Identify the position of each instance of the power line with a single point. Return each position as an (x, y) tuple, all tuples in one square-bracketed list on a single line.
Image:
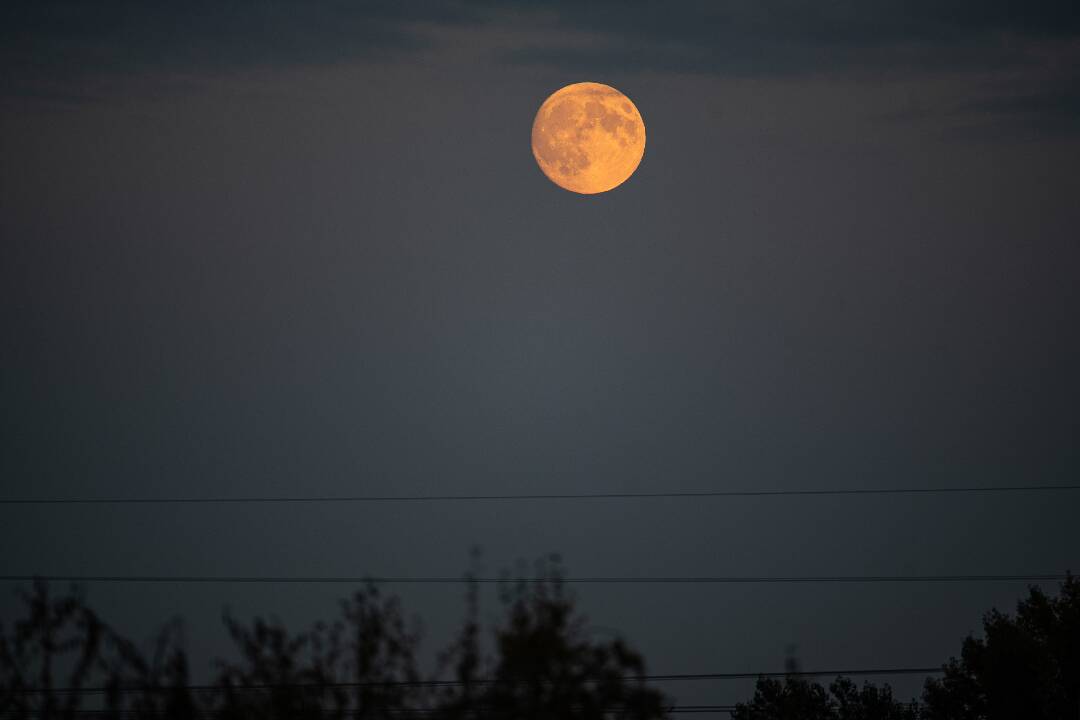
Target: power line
[(487, 681), (704, 579), (533, 496), (786, 673), (390, 710), (701, 708)]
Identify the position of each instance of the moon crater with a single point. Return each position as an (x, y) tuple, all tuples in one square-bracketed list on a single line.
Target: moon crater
[(588, 138)]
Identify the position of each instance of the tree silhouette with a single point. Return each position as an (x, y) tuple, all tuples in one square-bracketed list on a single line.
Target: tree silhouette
[(64, 636), (63, 662), (56, 634), (361, 665), (1026, 666), (545, 666), (798, 699)]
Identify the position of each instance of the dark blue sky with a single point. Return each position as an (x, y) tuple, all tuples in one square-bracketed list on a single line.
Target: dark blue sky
[(276, 249)]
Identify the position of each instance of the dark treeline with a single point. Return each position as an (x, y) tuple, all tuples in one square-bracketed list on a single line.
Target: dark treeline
[(63, 661), (1025, 667), (362, 664)]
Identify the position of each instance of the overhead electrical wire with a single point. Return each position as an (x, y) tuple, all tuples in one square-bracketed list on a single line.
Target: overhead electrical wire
[(701, 579), (850, 672), (363, 712), (269, 499)]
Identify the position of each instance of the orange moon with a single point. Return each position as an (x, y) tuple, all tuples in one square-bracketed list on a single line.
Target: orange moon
[(588, 138)]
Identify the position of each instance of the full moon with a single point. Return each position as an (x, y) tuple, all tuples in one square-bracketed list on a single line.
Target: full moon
[(588, 138)]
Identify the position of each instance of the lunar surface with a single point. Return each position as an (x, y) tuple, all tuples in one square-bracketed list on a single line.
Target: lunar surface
[(588, 138)]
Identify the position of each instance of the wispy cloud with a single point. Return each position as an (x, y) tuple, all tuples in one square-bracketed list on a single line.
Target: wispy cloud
[(64, 49), (60, 47), (1008, 60)]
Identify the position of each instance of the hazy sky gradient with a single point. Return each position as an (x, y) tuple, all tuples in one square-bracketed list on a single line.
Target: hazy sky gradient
[(283, 250)]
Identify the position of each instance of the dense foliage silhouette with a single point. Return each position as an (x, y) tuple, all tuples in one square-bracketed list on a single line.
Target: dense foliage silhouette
[(1027, 666), (61, 661)]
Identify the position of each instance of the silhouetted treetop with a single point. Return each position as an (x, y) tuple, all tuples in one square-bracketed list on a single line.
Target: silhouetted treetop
[(1027, 666), (360, 665), (797, 699), (62, 662)]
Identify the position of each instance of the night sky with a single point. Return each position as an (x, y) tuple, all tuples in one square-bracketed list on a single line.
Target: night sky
[(301, 249)]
